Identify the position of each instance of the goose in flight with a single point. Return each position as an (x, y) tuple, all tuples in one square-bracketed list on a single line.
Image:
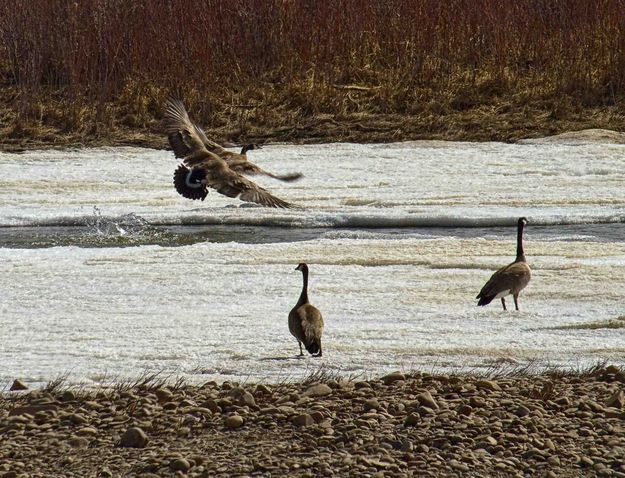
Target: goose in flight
[(202, 169), (510, 279)]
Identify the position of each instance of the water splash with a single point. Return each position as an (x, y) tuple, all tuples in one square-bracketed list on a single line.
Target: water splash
[(126, 225), (128, 229)]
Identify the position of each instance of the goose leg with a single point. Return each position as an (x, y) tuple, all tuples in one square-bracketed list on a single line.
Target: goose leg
[(503, 302), (301, 352), (516, 301)]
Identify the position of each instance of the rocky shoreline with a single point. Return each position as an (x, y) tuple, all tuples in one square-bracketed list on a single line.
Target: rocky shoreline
[(549, 424)]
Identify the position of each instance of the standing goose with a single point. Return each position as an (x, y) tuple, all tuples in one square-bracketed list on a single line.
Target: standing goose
[(239, 162), (203, 169), (305, 321), (510, 279)]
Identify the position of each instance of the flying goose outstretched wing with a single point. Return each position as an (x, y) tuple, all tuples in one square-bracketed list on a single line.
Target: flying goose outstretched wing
[(248, 168), (185, 136), (202, 169)]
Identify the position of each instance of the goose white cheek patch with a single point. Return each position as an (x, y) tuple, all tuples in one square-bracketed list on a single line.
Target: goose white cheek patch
[(190, 183)]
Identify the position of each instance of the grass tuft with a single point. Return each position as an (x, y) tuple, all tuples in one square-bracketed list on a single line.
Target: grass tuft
[(618, 323), (57, 385)]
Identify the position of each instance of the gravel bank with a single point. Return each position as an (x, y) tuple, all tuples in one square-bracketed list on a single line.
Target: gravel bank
[(428, 425)]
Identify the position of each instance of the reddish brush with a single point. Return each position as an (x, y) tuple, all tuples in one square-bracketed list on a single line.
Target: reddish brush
[(299, 56)]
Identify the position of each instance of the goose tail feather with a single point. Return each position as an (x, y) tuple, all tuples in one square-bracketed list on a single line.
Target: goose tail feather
[(188, 183)]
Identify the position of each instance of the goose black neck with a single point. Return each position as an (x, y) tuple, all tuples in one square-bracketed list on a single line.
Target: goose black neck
[(246, 148), (520, 253), (303, 297)]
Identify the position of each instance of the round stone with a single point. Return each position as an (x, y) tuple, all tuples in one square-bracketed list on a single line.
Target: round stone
[(134, 437), (233, 421), (180, 464)]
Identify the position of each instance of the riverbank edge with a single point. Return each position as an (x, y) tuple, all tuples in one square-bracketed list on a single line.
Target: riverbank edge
[(485, 123), (513, 423)]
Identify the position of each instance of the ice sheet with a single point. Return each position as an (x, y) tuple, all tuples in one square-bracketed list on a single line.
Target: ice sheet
[(218, 310)]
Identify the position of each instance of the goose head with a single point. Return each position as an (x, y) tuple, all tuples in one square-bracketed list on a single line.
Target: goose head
[(302, 267), (195, 178), (250, 147)]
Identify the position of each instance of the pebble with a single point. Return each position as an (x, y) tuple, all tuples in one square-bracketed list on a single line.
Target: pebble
[(87, 431), (31, 409), (477, 402), (247, 399), (317, 416), (134, 437), (412, 420), (426, 400), (180, 464), (263, 389), (585, 461), (459, 466), (318, 390), (211, 405), (78, 442), (77, 418), (105, 473), (68, 396), (488, 385), (554, 460), (616, 400), (303, 420), (392, 378), (18, 385), (371, 404), (233, 421), (563, 401), (487, 441)]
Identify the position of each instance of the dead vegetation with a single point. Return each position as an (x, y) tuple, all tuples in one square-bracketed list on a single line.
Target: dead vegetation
[(285, 70), (617, 323)]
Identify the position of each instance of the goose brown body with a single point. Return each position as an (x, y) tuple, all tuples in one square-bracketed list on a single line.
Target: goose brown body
[(305, 320), (241, 164), (510, 279), (202, 169)]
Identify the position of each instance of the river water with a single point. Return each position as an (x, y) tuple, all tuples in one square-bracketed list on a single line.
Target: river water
[(107, 273)]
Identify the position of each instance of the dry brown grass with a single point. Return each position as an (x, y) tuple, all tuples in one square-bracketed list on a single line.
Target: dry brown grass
[(307, 70)]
